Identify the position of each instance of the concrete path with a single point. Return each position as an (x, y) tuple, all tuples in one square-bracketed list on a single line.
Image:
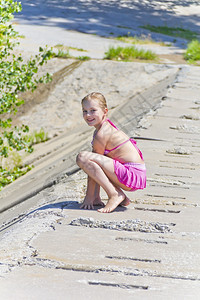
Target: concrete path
[(149, 250)]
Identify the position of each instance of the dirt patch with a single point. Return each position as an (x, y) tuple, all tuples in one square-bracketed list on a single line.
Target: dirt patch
[(56, 108), (173, 58)]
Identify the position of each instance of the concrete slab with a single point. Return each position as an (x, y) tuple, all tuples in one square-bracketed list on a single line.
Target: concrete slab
[(35, 282)]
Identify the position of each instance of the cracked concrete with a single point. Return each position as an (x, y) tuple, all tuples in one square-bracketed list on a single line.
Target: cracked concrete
[(42, 249)]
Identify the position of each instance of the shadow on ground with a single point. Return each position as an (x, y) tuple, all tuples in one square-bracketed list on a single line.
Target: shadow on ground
[(71, 205), (100, 17)]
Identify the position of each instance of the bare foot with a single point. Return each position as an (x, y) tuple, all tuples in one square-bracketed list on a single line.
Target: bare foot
[(113, 202), (125, 202)]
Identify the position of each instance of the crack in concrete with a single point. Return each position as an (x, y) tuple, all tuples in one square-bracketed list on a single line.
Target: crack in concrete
[(165, 196), (134, 259), (159, 210), (126, 271), (169, 185), (119, 285), (140, 240)]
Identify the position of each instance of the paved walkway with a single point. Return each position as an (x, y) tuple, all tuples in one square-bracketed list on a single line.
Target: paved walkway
[(150, 250)]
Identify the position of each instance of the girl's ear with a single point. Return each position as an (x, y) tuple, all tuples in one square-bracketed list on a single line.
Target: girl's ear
[(105, 110)]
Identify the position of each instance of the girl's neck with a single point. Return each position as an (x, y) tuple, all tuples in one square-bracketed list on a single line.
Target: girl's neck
[(100, 124)]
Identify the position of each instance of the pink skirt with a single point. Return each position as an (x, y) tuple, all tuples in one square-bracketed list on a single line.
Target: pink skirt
[(132, 175)]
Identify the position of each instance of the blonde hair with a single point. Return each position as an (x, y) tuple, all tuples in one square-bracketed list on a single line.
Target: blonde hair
[(96, 96)]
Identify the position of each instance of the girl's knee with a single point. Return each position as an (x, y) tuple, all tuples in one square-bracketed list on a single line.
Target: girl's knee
[(82, 158)]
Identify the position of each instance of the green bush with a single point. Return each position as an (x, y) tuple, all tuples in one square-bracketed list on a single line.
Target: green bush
[(192, 53), (8, 176), (15, 77), (129, 54)]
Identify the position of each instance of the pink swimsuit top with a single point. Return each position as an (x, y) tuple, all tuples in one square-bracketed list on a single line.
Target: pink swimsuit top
[(106, 151)]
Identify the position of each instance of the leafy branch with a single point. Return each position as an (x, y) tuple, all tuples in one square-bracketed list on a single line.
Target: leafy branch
[(15, 76)]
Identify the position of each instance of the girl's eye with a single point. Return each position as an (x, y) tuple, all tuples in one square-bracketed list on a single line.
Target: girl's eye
[(93, 110), (84, 111)]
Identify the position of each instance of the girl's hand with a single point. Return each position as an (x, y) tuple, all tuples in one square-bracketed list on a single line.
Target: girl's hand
[(87, 203)]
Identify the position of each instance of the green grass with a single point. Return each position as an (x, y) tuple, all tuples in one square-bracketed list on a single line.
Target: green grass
[(62, 54), (83, 58), (36, 137), (192, 54), (78, 49), (173, 31), (62, 47), (139, 40), (129, 54)]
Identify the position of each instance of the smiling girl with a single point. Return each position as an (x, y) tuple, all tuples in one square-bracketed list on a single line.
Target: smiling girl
[(115, 164)]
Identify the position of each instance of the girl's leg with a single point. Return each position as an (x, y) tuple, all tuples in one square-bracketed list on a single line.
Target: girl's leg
[(97, 200), (101, 169), (125, 202), (90, 194), (92, 197)]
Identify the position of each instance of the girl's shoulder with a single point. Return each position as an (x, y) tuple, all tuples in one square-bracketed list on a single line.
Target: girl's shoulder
[(104, 133), (99, 141), (101, 134)]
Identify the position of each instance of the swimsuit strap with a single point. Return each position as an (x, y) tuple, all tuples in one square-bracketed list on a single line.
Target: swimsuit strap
[(131, 140), (111, 123), (136, 147), (109, 150)]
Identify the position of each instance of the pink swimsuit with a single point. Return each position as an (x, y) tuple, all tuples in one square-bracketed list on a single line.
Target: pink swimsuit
[(132, 175)]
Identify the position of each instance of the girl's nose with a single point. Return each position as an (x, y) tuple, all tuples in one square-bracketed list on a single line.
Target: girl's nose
[(88, 113)]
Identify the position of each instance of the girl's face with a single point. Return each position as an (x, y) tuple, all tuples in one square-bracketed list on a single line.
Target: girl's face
[(93, 114)]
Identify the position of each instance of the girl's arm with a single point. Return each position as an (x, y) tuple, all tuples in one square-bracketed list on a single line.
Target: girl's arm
[(99, 143)]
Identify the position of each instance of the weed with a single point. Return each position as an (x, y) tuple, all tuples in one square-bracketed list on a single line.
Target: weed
[(129, 54), (84, 58), (62, 47), (139, 40), (36, 137), (192, 54), (62, 54), (78, 49), (173, 31)]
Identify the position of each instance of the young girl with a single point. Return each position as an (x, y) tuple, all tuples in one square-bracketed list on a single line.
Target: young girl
[(115, 163)]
